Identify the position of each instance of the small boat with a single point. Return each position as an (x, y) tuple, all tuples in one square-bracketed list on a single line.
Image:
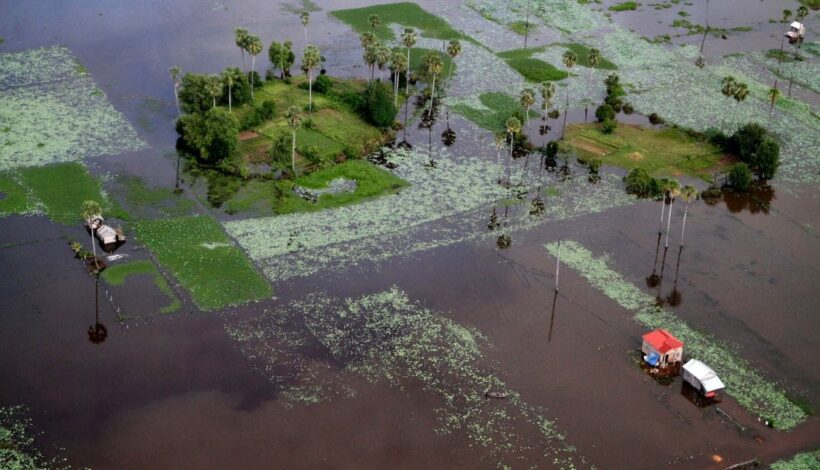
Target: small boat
[(496, 395)]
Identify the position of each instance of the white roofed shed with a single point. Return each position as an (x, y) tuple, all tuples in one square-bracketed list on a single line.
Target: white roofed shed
[(701, 377)]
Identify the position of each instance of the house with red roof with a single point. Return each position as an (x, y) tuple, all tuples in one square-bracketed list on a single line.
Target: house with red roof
[(661, 349)]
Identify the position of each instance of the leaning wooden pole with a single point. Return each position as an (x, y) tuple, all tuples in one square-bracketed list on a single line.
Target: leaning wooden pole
[(558, 266)]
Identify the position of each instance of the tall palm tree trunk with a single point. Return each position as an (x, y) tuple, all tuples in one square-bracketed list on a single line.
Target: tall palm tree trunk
[(253, 72), (683, 227), (293, 153), (509, 162), (663, 209), (566, 108), (310, 91), (176, 99), (432, 95), (407, 79), (668, 223)]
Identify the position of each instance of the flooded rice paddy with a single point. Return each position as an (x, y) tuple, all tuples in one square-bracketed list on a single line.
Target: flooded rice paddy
[(393, 323)]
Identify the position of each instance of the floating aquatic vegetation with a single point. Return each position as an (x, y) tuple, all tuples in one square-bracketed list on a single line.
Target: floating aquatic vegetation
[(51, 111), (387, 338), (748, 386), (18, 447), (803, 461), (116, 275), (442, 206)]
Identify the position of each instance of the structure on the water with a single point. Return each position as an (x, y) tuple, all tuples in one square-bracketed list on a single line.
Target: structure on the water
[(661, 349), (105, 233), (702, 378), (796, 32)]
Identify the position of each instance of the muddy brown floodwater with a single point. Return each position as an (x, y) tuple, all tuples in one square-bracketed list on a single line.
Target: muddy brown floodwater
[(176, 392)]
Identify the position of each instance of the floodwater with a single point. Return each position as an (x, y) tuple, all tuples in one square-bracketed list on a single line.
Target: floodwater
[(176, 392)]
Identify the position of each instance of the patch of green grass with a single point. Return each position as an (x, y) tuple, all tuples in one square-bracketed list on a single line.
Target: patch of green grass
[(625, 6), (661, 152), (417, 55), (279, 197), (534, 70), (406, 14), (139, 196), (501, 107), (521, 27), (802, 461), (582, 52), (13, 196), (62, 188), (813, 4), (116, 275), (202, 258), (777, 54)]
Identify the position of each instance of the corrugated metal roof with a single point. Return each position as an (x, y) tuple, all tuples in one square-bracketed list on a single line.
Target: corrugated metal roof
[(705, 375), (662, 340)]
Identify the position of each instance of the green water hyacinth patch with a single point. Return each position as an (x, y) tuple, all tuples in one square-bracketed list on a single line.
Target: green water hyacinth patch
[(748, 386), (51, 111), (18, 446), (387, 338), (803, 461)]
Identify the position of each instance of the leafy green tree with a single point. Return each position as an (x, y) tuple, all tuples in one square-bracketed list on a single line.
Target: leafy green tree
[(740, 177), (639, 183), (370, 58), (175, 71), (294, 117), (604, 112), (688, 193), (379, 107), (281, 56), (767, 159), (194, 93), (213, 134), (310, 61), (570, 59), (746, 140)]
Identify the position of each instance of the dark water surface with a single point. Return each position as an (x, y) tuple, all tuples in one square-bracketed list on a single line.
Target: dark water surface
[(176, 392)]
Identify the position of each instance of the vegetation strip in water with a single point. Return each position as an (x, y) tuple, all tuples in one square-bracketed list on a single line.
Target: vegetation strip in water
[(200, 255), (51, 111), (661, 152), (406, 14), (18, 447), (748, 386), (802, 461), (117, 274), (385, 337), (492, 110)]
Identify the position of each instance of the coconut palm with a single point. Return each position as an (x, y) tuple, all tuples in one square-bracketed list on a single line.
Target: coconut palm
[(433, 66), (774, 94), (304, 18), (409, 40), (374, 21), (370, 59), (175, 71), (254, 48), (382, 58), (688, 193), (214, 87), (241, 36), (294, 117), (453, 50), (513, 126), (673, 191), (527, 99), (593, 59), (91, 209), (570, 59), (227, 78), (740, 94), (398, 64), (310, 61), (547, 94)]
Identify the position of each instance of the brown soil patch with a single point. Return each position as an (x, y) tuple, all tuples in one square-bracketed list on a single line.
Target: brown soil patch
[(590, 147), (636, 156), (247, 135)]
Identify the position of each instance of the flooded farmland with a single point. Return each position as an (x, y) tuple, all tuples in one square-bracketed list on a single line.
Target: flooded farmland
[(429, 325)]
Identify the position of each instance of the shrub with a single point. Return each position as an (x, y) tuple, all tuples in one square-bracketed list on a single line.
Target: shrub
[(767, 159), (213, 135), (308, 124), (312, 154), (746, 140), (378, 105), (350, 153), (354, 101), (639, 183), (268, 109), (322, 84), (221, 187), (240, 89), (609, 126), (740, 177), (604, 112), (717, 137), (628, 109), (654, 119), (280, 153)]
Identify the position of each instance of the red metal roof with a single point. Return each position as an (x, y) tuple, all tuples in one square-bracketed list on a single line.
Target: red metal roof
[(662, 341)]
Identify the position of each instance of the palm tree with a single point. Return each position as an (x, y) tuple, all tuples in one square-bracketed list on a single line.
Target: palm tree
[(214, 87), (547, 93), (368, 39), (374, 21), (705, 31), (305, 19), (674, 191), (90, 210), (513, 126), (527, 25), (569, 59), (370, 59), (241, 36), (254, 48), (398, 64), (663, 188), (527, 100), (688, 193), (453, 50), (227, 77), (785, 18), (408, 39), (294, 117), (728, 87), (433, 66), (310, 61), (740, 94), (382, 58), (774, 94), (175, 71), (593, 59)]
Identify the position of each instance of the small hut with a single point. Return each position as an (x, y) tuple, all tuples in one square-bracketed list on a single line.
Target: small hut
[(702, 378), (661, 349), (796, 32)]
